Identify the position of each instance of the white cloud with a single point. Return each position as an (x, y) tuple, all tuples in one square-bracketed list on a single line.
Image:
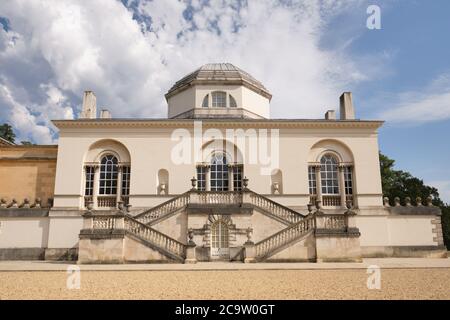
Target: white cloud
[(23, 120), (433, 104), (61, 48)]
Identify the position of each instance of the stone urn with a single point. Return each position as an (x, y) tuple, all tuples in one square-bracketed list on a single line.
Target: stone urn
[(120, 205), (162, 188), (191, 236), (249, 234), (276, 187)]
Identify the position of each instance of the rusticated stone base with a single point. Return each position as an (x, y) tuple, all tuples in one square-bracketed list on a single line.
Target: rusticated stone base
[(22, 253), (101, 250), (404, 251), (338, 248), (61, 254)]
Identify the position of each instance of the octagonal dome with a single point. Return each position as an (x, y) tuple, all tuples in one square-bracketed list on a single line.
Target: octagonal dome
[(218, 90), (219, 73)]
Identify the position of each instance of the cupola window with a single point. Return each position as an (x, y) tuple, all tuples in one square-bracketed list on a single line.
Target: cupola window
[(232, 102), (219, 99), (205, 103)]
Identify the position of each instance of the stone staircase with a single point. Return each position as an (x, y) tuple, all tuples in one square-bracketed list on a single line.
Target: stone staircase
[(297, 224), (164, 210), (139, 227), (210, 198), (284, 238), (274, 209), (158, 241)]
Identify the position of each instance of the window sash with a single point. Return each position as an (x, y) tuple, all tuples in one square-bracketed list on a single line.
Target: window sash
[(348, 180), (237, 178), (205, 102), (89, 185), (219, 99), (126, 175), (232, 102), (329, 175), (108, 176), (219, 173), (201, 178), (312, 182)]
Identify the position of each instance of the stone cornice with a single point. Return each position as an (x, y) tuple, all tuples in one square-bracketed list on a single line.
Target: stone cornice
[(219, 123), (17, 147), (228, 82)]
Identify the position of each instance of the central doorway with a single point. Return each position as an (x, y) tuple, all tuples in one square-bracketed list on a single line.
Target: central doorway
[(220, 249)]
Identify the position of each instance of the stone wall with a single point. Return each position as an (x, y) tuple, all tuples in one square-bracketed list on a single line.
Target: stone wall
[(27, 172)]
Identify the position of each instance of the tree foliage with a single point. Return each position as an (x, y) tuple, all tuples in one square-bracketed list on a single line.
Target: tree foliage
[(398, 183), (7, 132)]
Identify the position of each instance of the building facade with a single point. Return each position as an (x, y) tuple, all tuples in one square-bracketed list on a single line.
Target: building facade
[(219, 180)]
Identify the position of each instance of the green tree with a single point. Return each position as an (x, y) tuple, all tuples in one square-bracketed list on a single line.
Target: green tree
[(7, 133), (446, 225), (398, 183)]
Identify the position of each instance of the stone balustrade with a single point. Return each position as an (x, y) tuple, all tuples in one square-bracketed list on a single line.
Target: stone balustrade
[(219, 197), (407, 202), (106, 201), (164, 208), (25, 204), (274, 208), (407, 207), (331, 200), (285, 236), (151, 235), (113, 226)]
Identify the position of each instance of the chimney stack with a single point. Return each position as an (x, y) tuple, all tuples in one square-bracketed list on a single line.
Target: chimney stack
[(346, 107), (105, 114), (330, 115), (89, 109)]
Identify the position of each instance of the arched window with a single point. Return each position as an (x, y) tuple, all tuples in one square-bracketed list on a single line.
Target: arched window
[(108, 175), (219, 99), (219, 172), (205, 102), (232, 102), (219, 240), (329, 174)]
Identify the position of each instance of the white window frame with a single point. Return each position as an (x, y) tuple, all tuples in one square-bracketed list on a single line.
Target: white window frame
[(329, 174), (110, 167), (219, 173), (219, 99)]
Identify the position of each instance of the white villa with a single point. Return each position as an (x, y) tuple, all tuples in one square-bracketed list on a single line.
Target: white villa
[(217, 180)]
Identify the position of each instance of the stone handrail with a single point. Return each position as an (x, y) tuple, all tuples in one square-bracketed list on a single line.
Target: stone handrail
[(104, 222), (266, 246), (331, 200), (332, 221), (106, 201), (157, 238), (164, 208), (220, 197), (275, 208)]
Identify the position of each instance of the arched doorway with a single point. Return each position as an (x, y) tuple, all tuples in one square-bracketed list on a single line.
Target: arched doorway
[(220, 249)]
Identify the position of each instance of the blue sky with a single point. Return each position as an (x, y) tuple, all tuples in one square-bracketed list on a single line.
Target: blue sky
[(306, 52), (416, 33)]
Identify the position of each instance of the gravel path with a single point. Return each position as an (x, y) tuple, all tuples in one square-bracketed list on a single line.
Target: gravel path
[(239, 284)]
